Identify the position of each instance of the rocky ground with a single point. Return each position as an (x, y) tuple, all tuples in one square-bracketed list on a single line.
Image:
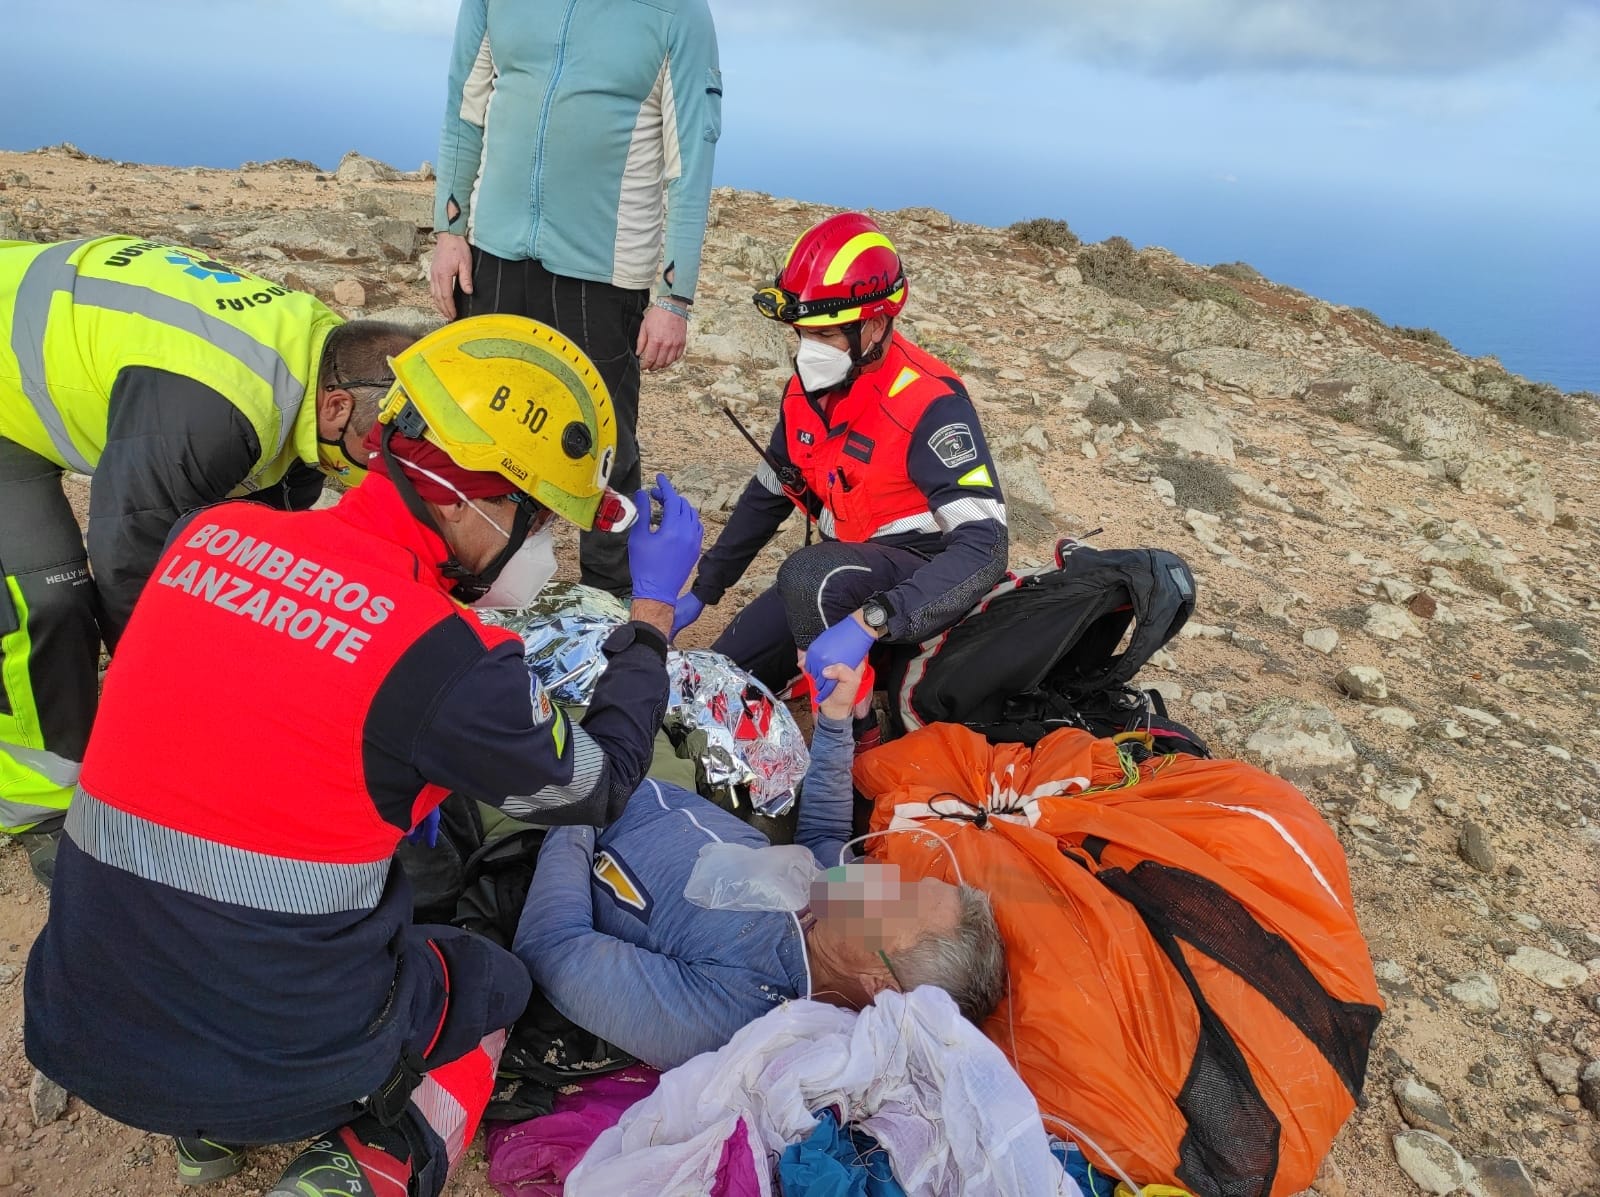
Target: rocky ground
[(1400, 600)]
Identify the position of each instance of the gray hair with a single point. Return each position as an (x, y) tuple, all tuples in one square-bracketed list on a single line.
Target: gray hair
[(968, 964), (359, 351)]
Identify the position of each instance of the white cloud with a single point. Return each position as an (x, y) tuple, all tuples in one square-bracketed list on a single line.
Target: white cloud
[(1202, 37)]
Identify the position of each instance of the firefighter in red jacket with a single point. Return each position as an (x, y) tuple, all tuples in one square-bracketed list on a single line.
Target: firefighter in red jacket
[(878, 443), (229, 957)]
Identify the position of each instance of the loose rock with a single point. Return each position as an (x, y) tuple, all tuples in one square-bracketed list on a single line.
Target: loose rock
[(1474, 848), (1365, 682), (1395, 717), (1560, 1072), (47, 1099), (1324, 640), (1400, 793), (1390, 623), (358, 168), (1295, 740), (1589, 1087), (1501, 1176), (1476, 991), (1547, 968), (1422, 1108), (350, 293), (1424, 606), (1433, 1164)]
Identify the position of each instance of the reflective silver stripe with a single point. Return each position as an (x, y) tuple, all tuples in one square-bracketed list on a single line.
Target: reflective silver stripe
[(224, 874), (970, 511), (588, 768), (288, 392), (826, 524), (922, 522), (14, 816), (57, 770), (30, 312), (442, 1110), (768, 477)]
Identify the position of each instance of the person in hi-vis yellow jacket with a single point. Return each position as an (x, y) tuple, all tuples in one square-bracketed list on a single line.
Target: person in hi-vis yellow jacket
[(175, 381)]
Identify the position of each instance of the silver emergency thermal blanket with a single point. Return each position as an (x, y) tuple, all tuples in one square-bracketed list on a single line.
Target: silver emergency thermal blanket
[(745, 741), (752, 743), (562, 632)]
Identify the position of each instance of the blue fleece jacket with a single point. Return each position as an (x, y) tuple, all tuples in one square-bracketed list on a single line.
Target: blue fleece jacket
[(617, 948), (568, 123)]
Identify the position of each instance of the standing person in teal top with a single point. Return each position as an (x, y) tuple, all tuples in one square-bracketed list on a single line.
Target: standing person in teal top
[(569, 126)]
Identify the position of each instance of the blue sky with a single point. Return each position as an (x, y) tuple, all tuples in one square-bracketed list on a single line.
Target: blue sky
[(1329, 142)]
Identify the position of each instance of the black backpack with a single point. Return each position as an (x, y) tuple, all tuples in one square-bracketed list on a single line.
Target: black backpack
[(1055, 649)]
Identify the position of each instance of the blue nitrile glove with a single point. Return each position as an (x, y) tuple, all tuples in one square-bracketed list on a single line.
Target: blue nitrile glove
[(427, 831), (689, 610), (845, 643), (661, 558)]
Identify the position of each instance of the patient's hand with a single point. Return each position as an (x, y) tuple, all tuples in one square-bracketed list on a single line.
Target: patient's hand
[(839, 704)]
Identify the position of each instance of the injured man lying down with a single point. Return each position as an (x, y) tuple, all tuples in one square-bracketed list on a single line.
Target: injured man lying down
[(615, 944)]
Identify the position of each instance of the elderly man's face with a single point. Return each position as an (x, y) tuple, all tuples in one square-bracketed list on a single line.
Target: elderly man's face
[(869, 905)]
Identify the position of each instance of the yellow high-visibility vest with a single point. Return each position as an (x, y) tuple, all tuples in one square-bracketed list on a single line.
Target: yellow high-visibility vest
[(74, 314)]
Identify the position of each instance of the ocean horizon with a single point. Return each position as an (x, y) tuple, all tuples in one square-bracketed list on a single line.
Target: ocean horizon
[(1527, 294)]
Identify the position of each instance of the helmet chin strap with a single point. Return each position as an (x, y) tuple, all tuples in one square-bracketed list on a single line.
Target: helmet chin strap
[(469, 586), (858, 360)]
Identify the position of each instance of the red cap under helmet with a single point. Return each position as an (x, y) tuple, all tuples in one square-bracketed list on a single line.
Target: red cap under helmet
[(840, 271)]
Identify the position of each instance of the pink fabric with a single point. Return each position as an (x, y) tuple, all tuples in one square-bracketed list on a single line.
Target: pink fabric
[(533, 1158), (736, 1170)]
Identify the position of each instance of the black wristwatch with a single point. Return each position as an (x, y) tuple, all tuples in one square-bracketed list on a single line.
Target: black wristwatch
[(875, 611)]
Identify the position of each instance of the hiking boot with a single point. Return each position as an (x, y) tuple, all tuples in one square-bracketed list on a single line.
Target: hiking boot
[(362, 1159), (40, 842), (200, 1161)]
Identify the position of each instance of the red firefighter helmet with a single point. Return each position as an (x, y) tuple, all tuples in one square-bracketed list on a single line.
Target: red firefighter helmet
[(839, 272)]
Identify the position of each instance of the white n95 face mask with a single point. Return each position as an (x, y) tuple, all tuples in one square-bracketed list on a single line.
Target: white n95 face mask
[(524, 575), (821, 367)]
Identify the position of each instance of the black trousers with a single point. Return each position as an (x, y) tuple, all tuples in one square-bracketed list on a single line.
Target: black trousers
[(603, 321), (49, 641), (817, 587)]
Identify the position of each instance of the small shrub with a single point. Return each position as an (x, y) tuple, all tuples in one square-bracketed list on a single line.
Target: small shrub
[(1140, 400), (1115, 267), (1204, 288), (1427, 336), (1369, 316), (1047, 232), (1240, 271), (1536, 405), (1102, 410), (1198, 483)]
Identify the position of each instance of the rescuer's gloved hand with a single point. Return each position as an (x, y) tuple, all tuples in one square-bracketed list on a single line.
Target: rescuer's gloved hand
[(662, 557), (689, 609), (427, 831), (845, 643)]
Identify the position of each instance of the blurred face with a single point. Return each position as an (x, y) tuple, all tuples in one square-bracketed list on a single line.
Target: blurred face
[(863, 909)]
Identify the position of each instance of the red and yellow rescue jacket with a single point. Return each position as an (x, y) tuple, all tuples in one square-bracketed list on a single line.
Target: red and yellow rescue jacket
[(294, 692), (900, 459)]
